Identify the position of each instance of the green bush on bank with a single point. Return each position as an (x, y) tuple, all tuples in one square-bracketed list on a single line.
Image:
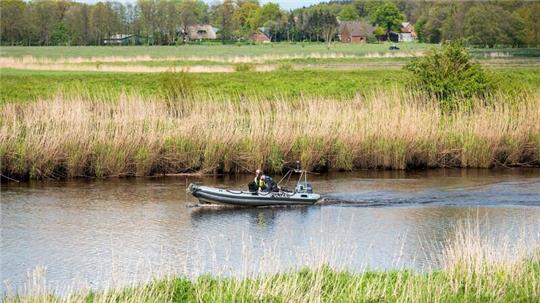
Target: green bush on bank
[(450, 74)]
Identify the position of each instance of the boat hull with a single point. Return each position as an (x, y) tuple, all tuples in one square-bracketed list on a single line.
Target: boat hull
[(210, 195)]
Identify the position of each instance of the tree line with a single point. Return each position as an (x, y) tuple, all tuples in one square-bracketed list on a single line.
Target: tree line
[(165, 22)]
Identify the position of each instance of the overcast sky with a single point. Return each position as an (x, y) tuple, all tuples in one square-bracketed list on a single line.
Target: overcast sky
[(285, 4)]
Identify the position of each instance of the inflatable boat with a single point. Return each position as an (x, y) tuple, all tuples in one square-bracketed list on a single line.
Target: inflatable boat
[(211, 195)]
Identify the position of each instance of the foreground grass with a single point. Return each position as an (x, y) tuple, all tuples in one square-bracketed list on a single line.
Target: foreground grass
[(85, 136), (474, 268), (326, 285), (24, 86)]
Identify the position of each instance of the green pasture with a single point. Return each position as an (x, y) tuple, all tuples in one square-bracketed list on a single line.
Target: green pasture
[(240, 50), (204, 50), (24, 85)]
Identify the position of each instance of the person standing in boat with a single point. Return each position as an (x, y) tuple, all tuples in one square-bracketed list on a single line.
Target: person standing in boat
[(258, 184)]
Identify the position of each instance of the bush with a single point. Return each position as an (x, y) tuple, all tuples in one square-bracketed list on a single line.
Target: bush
[(372, 39), (176, 85), (244, 67), (449, 74)]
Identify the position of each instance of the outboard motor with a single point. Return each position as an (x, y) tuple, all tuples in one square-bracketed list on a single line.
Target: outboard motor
[(304, 187)]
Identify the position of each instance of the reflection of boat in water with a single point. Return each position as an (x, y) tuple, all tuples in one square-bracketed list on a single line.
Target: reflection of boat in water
[(302, 195)]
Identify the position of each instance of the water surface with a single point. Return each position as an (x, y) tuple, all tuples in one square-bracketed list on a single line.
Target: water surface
[(101, 233)]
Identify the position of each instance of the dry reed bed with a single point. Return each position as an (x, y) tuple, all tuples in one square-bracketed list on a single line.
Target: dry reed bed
[(80, 136), (477, 267)]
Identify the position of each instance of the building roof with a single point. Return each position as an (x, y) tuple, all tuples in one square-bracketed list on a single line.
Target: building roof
[(406, 27), (201, 31), (120, 36), (357, 28)]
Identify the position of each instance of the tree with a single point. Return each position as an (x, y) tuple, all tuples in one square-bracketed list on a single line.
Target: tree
[(188, 15), (328, 26), (60, 35), (269, 16), (379, 33), (44, 16), (388, 17), (77, 20), (429, 25), (488, 25), (530, 14), (223, 16), (12, 20), (349, 13), (102, 21), (246, 18), (168, 22)]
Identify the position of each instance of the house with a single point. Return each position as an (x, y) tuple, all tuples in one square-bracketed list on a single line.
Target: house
[(123, 39), (202, 32), (354, 31), (406, 33), (260, 37)]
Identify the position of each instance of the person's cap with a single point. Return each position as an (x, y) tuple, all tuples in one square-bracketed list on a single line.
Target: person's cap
[(258, 171)]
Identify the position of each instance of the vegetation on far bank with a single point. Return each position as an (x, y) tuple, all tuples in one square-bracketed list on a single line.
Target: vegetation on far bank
[(444, 110), (18, 85), (82, 136)]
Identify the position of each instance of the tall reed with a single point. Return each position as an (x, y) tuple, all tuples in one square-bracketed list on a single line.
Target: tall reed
[(131, 135)]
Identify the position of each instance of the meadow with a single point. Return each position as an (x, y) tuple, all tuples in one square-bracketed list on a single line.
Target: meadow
[(25, 86), (473, 269), (204, 50)]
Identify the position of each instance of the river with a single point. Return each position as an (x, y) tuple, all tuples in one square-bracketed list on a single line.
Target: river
[(104, 233)]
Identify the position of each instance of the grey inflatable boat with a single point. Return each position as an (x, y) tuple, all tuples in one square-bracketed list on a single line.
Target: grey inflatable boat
[(210, 195), (302, 194)]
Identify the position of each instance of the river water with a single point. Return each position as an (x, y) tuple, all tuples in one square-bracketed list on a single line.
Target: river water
[(99, 234)]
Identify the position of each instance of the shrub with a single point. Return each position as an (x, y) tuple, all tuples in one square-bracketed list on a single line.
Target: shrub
[(175, 85), (449, 74), (244, 67)]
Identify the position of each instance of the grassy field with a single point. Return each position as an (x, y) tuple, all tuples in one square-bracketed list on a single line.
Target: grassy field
[(29, 85), (23, 86), (218, 50), (474, 269), (208, 50)]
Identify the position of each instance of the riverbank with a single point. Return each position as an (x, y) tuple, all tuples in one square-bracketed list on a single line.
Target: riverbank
[(474, 268), (85, 136)]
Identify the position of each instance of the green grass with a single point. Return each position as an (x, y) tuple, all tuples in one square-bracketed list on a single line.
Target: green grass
[(202, 50), (22, 85), (232, 50), (19, 85), (327, 285)]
